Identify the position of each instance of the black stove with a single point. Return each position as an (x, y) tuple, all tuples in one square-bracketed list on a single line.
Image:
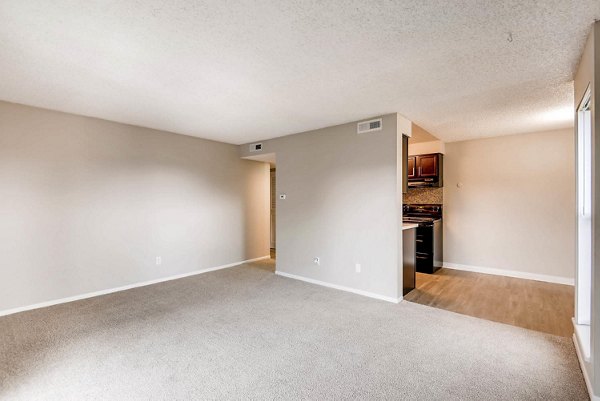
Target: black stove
[(429, 246), (428, 212), (418, 220)]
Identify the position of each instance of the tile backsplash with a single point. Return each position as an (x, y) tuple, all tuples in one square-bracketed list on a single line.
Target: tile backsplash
[(424, 195)]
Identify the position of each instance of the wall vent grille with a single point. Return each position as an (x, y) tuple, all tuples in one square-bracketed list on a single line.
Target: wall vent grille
[(364, 127), (256, 147)]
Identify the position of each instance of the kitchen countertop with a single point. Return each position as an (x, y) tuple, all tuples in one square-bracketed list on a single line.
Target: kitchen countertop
[(408, 226)]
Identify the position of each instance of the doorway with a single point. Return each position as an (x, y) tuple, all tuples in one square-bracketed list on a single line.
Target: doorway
[(268, 215), (273, 209)]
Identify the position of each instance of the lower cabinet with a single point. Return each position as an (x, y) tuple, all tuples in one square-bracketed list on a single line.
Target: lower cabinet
[(409, 241)]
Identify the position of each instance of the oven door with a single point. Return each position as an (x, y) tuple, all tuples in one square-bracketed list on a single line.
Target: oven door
[(425, 248)]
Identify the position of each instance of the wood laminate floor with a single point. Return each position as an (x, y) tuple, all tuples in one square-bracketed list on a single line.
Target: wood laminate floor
[(534, 305)]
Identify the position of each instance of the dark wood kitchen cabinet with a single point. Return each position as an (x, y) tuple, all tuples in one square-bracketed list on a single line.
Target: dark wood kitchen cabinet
[(425, 170), (428, 165), (409, 259), (404, 163), (411, 169)]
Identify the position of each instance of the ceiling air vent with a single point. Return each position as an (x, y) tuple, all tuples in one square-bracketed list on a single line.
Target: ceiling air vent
[(369, 126), (256, 147)]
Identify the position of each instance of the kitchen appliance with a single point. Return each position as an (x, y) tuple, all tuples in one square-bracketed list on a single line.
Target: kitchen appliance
[(429, 247)]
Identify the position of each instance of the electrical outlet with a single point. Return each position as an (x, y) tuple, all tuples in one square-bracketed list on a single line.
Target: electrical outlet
[(358, 267), (158, 260), (317, 261)]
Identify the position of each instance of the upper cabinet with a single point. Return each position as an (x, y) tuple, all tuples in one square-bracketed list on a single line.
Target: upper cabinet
[(428, 165), (404, 163), (412, 169), (426, 170)]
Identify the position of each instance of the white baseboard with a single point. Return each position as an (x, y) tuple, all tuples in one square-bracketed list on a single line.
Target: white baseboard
[(511, 273), (340, 287), (123, 288), (586, 378)]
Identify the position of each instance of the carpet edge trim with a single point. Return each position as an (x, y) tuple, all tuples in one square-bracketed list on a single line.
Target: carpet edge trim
[(511, 273), (340, 287), (93, 294)]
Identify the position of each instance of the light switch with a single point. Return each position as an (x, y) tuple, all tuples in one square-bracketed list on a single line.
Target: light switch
[(282, 196)]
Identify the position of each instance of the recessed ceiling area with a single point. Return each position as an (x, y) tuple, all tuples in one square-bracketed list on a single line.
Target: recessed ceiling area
[(419, 135), (243, 72)]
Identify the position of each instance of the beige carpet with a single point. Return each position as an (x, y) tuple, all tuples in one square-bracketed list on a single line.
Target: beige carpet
[(244, 333)]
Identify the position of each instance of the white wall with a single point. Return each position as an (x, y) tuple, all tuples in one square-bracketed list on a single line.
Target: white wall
[(516, 207), (421, 148), (86, 205), (343, 205)]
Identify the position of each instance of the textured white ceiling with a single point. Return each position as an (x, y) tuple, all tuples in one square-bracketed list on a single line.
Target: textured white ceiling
[(242, 71)]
